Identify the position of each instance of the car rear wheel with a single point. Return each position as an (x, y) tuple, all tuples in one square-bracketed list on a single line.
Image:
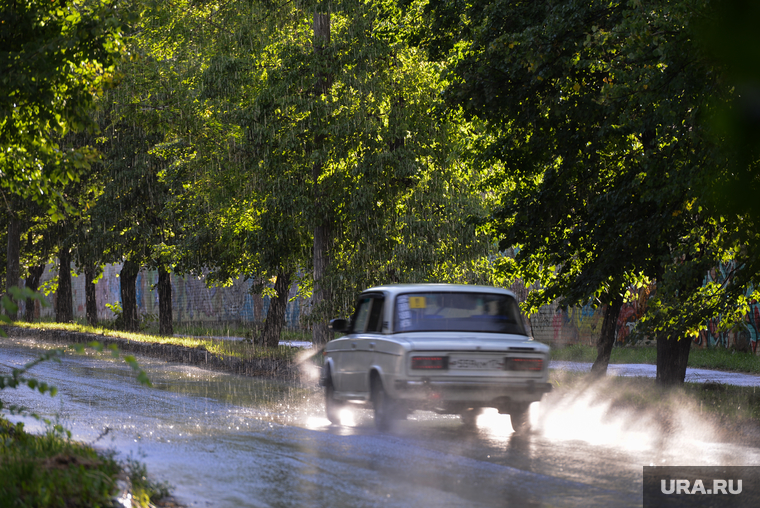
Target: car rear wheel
[(520, 416), (470, 416), (332, 406), (383, 405)]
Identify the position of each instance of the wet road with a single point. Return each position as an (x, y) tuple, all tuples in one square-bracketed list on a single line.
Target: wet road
[(229, 441)]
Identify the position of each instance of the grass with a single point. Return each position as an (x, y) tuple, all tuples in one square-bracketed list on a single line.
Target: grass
[(50, 470), (206, 340), (724, 359), (201, 329), (712, 358), (728, 401)]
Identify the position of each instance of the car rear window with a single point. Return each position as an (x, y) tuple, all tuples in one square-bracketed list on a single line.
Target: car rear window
[(457, 312)]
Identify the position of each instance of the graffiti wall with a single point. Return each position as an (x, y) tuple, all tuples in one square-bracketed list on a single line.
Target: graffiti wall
[(583, 325), (746, 335), (192, 300)]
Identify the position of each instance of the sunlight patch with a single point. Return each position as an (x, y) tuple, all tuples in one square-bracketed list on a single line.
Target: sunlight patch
[(494, 424), (347, 418)]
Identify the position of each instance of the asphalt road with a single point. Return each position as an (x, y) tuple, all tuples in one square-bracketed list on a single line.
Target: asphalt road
[(228, 441)]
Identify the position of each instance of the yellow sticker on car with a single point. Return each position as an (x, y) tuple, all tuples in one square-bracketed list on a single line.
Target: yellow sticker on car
[(417, 302)]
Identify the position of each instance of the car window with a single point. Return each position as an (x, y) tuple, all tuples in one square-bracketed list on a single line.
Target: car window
[(361, 316), (375, 323), (368, 316), (451, 311)]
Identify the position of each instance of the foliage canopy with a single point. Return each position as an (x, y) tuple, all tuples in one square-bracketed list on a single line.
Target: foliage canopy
[(598, 115), (55, 60)]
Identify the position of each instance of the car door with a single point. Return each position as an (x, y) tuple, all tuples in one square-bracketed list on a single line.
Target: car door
[(357, 356)]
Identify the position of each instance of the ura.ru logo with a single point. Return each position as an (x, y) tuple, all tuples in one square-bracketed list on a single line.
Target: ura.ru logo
[(685, 487)]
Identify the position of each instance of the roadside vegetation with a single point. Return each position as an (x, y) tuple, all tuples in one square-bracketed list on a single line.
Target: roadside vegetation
[(208, 338), (51, 470), (719, 358)]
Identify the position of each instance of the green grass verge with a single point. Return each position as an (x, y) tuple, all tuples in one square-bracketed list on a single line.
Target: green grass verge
[(712, 358), (150, 327), (50, 470), (238, 349)]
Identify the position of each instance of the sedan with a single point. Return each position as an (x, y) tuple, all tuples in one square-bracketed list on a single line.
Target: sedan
[(452, 349)]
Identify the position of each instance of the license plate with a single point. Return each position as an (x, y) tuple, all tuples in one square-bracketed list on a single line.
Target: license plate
[(476, 363)]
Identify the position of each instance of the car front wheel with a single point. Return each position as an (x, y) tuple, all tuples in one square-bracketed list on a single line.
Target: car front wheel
[(332, 406)]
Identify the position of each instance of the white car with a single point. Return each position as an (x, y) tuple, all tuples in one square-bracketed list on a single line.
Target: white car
[(453, 349)]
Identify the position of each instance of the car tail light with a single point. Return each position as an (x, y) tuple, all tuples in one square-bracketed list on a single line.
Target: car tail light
[(430, 362), (524, 364)]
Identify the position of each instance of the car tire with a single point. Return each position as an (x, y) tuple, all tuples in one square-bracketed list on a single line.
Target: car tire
[(520, 417), (382, 404), (332, 406), (470, 416)]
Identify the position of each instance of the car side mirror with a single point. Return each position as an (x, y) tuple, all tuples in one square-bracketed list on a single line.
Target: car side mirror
[(339, 325)]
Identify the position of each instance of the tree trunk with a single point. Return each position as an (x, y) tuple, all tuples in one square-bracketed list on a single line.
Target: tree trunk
[(321, 333), (672, 357), (165, 325), (128, 278), (322, 39), (275, 320), (64, 304), (607, 337), (32, 282), (673, 350), (91, 303), (13, 268)]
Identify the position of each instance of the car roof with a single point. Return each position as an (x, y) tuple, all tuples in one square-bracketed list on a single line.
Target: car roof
[(395, 289)]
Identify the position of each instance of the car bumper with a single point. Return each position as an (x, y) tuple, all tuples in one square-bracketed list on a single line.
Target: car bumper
[(470, 391)]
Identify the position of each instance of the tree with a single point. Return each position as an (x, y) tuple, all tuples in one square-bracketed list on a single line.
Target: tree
[(32, 282), (56, 58), (596, 114), (13, 270), (126, 223), (130, 222), (729, 36), (301, 151), (28, 245), (64, 305)]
